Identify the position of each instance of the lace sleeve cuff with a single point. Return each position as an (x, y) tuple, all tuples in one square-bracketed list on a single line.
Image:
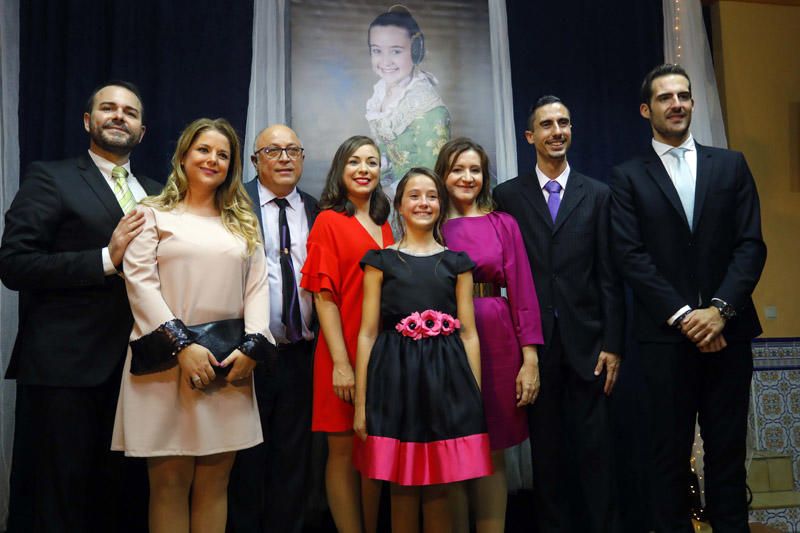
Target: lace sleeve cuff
[(156, 351), (257, 347)]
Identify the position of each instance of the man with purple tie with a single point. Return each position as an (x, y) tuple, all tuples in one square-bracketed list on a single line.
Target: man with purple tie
[(267, 490), (564, 218)]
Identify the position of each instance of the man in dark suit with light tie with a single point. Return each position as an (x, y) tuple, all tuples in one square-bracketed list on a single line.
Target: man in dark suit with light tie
[(564, 220), (267, 490), (687, 233), (66, 232)]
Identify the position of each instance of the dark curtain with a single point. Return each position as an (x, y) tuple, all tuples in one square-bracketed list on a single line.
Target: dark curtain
[(593, 55), (189, 58)]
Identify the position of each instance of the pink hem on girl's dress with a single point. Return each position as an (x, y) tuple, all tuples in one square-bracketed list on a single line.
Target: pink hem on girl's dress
[(424, 463)]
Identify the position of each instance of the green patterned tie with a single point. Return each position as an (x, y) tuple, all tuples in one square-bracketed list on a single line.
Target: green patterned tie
[(121, 190)]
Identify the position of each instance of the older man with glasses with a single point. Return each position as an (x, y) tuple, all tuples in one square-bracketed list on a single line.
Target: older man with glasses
[(268, 483)]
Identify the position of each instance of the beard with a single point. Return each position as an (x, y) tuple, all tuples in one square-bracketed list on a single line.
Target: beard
[(676, 132), (116, 142)]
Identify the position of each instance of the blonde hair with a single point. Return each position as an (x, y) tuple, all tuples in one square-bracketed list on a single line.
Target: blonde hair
[(231, 199)]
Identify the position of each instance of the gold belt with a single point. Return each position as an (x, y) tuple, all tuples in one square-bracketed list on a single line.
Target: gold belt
[(485, 290)]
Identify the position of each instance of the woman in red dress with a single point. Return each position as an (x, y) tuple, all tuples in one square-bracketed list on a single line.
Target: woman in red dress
[(352, 222)]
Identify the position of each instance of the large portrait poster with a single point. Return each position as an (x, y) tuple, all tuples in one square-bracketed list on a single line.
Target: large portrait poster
[(410, 76)]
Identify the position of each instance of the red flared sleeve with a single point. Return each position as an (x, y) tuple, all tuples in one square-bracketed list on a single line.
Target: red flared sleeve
[(321, 269)]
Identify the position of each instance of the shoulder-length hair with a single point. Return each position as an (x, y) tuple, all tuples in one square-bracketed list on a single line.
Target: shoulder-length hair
[(441, 191), (334, 195), (448, 156), (231, 199)]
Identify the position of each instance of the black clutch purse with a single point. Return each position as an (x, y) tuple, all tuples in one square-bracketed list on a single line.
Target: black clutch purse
[(157, 350), (221, 338)]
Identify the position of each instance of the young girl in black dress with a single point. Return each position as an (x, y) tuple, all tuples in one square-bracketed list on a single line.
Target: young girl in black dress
[(418, 406)]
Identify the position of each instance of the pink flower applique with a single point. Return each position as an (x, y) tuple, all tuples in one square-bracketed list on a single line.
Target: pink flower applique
[(410, 326), (431, 323), (449, 324)]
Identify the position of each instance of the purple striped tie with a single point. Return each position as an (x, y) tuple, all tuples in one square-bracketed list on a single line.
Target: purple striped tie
[(554, 200)]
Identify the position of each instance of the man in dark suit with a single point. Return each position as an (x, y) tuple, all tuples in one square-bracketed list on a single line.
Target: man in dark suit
[(66, 232), (687, 233), (564, 220), (268, 483)]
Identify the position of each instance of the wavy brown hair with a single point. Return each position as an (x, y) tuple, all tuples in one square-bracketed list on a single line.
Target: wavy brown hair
[(448, 156), (334, 195), (231, 199)]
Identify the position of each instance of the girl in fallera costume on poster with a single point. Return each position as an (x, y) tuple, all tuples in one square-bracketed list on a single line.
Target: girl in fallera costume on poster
[(418, 401), (406, 115), (352, 221)]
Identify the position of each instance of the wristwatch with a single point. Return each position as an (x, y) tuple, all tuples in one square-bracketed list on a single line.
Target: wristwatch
[(726, 310)]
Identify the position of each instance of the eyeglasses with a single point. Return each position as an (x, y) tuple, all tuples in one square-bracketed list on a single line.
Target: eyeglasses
[(274, 152)]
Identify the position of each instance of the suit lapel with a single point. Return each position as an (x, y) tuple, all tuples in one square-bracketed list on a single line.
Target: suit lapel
[(573, 195), (252, 190), (97, 183), (151, 187), (655, 168), (533, 195), (705, 169), (310, 207)]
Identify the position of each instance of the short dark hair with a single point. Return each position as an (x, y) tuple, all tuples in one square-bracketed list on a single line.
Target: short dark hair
[(541, 102), (115, 83), (666, 69), (334, 195), (449, 154), (401, 17)]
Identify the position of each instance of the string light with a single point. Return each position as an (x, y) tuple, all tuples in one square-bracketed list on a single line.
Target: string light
[(696, 490), (677, 29)]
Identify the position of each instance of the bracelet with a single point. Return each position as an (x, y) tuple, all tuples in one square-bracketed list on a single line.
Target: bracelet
[(257, 347)]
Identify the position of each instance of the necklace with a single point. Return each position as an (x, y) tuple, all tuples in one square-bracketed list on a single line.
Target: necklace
[(421, 253)]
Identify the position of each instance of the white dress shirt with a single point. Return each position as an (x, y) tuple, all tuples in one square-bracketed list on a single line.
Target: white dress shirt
[(669, 161), (298, 231), (105, 167), (670, 164), (561, 179)]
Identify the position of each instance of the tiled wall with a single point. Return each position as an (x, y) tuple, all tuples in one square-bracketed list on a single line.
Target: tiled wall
[(776, 416)]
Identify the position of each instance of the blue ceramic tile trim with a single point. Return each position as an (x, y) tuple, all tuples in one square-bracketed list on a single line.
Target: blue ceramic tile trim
[(776, 416)]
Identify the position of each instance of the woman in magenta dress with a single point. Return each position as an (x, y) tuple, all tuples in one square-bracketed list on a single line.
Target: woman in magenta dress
[(509, 328), (352, 222)]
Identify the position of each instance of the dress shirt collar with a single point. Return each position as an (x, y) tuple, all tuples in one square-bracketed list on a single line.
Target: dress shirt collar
[(105, 166), (662, 148), (561, 179), (265, 196)]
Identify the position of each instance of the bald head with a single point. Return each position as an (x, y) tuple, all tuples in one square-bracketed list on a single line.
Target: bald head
[(279, 175), (276, 130)]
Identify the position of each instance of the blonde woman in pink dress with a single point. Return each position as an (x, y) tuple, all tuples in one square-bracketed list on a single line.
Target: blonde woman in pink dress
[(198, 260)]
